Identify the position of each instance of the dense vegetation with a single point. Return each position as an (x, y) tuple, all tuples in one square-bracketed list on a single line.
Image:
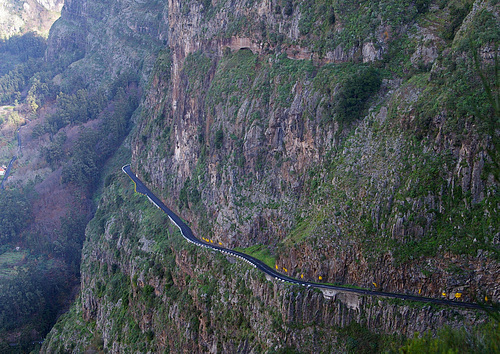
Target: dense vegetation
[(484, 338), (355, 92), (21, 57), (33, 276), (36, 286), (14, 213), (396, 182), (19, 49), (30, 299)]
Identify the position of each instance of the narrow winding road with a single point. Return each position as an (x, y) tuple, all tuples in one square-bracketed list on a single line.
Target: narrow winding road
[(7, 172), (189, 236), (12, 160)]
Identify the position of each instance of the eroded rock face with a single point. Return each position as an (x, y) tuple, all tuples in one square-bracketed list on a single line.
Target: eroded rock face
[(370, 54), (240, 135), (29, 15), (103, 40), (259, 180)]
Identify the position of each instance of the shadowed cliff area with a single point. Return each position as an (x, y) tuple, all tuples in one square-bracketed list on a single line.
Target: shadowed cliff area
[(344, 142)]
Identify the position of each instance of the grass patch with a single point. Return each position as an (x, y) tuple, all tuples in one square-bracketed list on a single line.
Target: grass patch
[(303, 229), (9, 262), (261, 252)]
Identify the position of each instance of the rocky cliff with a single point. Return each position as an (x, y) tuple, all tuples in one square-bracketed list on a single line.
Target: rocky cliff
[(252, 138), (350, 142), (101, 41), (17, 16), (145, 290)]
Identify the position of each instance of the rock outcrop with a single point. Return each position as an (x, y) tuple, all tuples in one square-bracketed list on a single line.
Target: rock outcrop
[(329, 136), (17, 17)]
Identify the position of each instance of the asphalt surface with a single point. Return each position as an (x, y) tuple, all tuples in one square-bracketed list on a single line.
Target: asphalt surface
[(7, 172), (189, 236), (2, 187)]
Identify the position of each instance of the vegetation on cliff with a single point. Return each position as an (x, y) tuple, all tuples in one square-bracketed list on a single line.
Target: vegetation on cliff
[(349, 141), (62, 133), (144, 288)]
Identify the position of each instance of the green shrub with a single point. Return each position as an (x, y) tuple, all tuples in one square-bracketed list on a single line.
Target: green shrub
[(288, 8), (457, 15), (422, 6), (355, 93), (219, 138), (482, 339), (148, 290)]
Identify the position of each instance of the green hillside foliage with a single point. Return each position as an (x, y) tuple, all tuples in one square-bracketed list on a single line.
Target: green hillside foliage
[(483, 339), (15, 211), (26, 46), (30, 300), (36, 287), (355, 92), (20, 58)]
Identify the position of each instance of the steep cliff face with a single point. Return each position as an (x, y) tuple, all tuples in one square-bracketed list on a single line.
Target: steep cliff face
[(145, 289), (105, 40), (18, 16), (256, 147), (351, 141)]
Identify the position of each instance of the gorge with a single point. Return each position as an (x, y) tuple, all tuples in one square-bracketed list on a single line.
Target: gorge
[(351, 143)]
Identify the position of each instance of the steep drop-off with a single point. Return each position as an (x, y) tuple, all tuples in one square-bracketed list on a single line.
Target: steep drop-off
[(257, 148), (350, 142), (20, 16)]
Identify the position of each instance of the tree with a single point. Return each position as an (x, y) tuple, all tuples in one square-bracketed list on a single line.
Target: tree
[(14, 212), (354, 94), (219, 138)]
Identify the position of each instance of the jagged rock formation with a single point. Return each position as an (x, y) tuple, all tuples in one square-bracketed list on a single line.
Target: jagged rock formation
[(340, 136), (17, 17)]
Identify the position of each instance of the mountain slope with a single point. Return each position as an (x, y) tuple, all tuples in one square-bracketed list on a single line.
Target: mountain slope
[(18, 16), (349, 142)]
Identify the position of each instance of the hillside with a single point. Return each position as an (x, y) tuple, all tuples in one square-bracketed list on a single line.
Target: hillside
[(21, 16), (347, 142)]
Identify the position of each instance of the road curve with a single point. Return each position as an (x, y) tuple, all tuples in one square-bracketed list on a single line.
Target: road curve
[(189, 236), (2, 187), (7, 172)]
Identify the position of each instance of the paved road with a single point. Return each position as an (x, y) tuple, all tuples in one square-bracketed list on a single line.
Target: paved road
[(2, 187), (189, 236), (7, 172)]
